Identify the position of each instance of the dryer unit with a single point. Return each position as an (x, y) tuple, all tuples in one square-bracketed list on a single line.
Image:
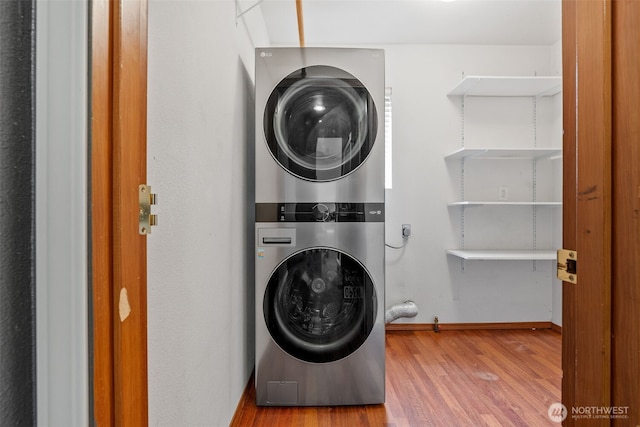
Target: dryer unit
[(320, 304), (319, 125)]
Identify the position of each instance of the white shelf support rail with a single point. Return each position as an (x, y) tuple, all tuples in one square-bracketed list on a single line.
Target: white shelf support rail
[(462, 174), (534, 171)]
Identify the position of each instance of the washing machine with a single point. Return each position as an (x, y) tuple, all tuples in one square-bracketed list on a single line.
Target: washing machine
[(319, 125), (319, 304)]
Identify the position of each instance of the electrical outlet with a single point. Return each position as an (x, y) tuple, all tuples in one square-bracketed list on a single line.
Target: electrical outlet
[(503, 194), (406, 231)]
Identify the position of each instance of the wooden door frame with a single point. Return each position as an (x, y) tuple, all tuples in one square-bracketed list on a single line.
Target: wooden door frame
[(102, 406), (587, 169), (568, 202), (118, 252), (601, 202), (626, 210)]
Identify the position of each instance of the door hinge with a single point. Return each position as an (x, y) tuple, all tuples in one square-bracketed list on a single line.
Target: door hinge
[(145, 218), (567, 265)]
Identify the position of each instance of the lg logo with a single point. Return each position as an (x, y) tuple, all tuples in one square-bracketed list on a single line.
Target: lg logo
[(266, 54)]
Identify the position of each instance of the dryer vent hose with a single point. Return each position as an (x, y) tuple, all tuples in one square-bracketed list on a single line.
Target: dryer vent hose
[(406, 309)]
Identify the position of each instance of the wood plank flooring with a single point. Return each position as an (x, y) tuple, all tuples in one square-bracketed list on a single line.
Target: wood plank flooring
[(451, 378)]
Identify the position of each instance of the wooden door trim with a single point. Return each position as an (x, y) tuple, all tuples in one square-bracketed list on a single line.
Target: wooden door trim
[(118, 252), (101, 178), (626, 210), (569, 184), (587, 203), (129, 247)]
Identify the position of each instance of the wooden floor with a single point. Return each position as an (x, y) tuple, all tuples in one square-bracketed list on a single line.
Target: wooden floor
[(450, 378)]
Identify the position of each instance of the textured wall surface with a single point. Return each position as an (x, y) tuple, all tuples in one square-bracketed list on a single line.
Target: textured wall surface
[(17, 224), (200, 281)]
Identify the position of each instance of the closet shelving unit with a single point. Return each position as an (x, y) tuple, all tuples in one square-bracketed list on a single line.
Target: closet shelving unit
[(505, 86)]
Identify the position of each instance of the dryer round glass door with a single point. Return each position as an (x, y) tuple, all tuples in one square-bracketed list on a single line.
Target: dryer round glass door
[(320, 305), (320, 123)]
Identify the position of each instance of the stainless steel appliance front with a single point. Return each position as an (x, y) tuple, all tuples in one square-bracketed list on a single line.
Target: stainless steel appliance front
[(319, 125), (320, 305), (319, 171)]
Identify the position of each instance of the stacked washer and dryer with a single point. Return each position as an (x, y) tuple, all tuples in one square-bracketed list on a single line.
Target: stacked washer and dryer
[(319, 227)]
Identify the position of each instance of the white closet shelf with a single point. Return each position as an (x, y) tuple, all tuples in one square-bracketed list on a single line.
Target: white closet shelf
[(504, 255), (502, 203), (504, 153), (508, 86)]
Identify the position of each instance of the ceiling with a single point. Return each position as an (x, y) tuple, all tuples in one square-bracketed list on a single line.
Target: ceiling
[(379, 22)]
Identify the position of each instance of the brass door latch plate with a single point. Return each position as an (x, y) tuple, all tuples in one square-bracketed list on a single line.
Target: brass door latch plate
[(567, 266)]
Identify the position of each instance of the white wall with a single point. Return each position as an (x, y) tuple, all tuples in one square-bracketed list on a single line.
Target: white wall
[(427, 125), (200, 134)]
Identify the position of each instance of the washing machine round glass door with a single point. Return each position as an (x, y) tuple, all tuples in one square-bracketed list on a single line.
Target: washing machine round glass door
[(320, 305), (320, 123)]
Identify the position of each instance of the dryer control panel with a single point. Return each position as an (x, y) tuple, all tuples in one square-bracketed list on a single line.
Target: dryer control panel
[(320, 212)]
